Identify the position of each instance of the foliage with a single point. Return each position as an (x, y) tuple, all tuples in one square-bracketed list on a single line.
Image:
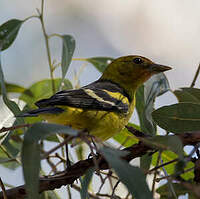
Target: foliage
[(26, 139)]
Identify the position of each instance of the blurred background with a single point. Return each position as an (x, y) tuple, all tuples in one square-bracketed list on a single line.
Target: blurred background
[(165, 31)]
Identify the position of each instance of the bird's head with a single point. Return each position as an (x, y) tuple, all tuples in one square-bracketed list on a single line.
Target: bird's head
[(132, 71)]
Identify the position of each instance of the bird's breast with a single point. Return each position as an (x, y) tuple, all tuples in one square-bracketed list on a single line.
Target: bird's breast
[(102, 124)]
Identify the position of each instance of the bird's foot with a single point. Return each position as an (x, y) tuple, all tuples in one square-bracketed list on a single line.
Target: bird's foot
[(91, 155)]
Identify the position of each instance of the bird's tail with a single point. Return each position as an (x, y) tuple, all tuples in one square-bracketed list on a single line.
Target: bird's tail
[(39, 111)]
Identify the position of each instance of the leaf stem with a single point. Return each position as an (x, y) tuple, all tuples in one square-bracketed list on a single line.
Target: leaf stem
[(55, 35), (33, 16), (41, 16), (155, 174), (79, 59), (195, 77)]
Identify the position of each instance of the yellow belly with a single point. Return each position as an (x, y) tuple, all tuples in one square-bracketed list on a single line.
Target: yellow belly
[(98, 123)]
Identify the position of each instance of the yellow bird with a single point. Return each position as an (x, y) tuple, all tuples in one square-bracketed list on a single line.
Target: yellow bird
[(104, 107)]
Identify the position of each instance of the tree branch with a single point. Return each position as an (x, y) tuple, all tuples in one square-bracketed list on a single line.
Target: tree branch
[(73, 173), (80, 168)]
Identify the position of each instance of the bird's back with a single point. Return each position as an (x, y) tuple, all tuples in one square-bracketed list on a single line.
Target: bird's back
[(102, 108)]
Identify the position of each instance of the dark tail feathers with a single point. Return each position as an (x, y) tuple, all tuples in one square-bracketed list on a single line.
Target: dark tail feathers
[(36, 112)]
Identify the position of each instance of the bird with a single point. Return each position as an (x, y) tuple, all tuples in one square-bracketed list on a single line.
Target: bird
[(103, 107)]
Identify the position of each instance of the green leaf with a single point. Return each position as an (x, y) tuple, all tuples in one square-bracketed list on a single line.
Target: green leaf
[(9, 103), (179, 190), (145, 162), (140, 107), (188, 175), (179, 168), (14, 88), (100, 63), (8, 162), (167, 156), (145, 97), (167, 142), (31, 152), (8, 33), (13, 147), (188, 95), (131, 176), (13, 107), (67, 53), (85, 183), (52, 138), (80, 149), (43, 89), (178, 118), (49, 195), (156, 86), (125, 138)]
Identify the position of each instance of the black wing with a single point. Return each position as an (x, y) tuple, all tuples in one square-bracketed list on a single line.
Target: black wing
[(90, 97)]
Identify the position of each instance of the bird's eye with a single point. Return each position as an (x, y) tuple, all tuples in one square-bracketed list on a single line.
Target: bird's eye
[(137, 60)]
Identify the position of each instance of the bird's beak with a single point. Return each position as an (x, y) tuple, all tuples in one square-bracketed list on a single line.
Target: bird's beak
[(159, 68)]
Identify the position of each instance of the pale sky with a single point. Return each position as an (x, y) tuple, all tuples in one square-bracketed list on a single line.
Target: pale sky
[(164, 31)]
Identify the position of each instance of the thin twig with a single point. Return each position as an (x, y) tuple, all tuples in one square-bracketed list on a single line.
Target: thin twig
[(4, 129), (155, 174), (85, 138), (68, 163), (164, 164), (128, 194), (189, 157), (69, 192), (3, 189), (112, 176), (61, 158), (110, 179), (104, 195), (7, 161), (56, 147), (171, 187), (82, 166), (195, 77), (52, 165), (77, 188), (76, 76), (47, 45), (173, 176), (100, 187), (115, 187), (63, 155), (9, 156), (57, 172)]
